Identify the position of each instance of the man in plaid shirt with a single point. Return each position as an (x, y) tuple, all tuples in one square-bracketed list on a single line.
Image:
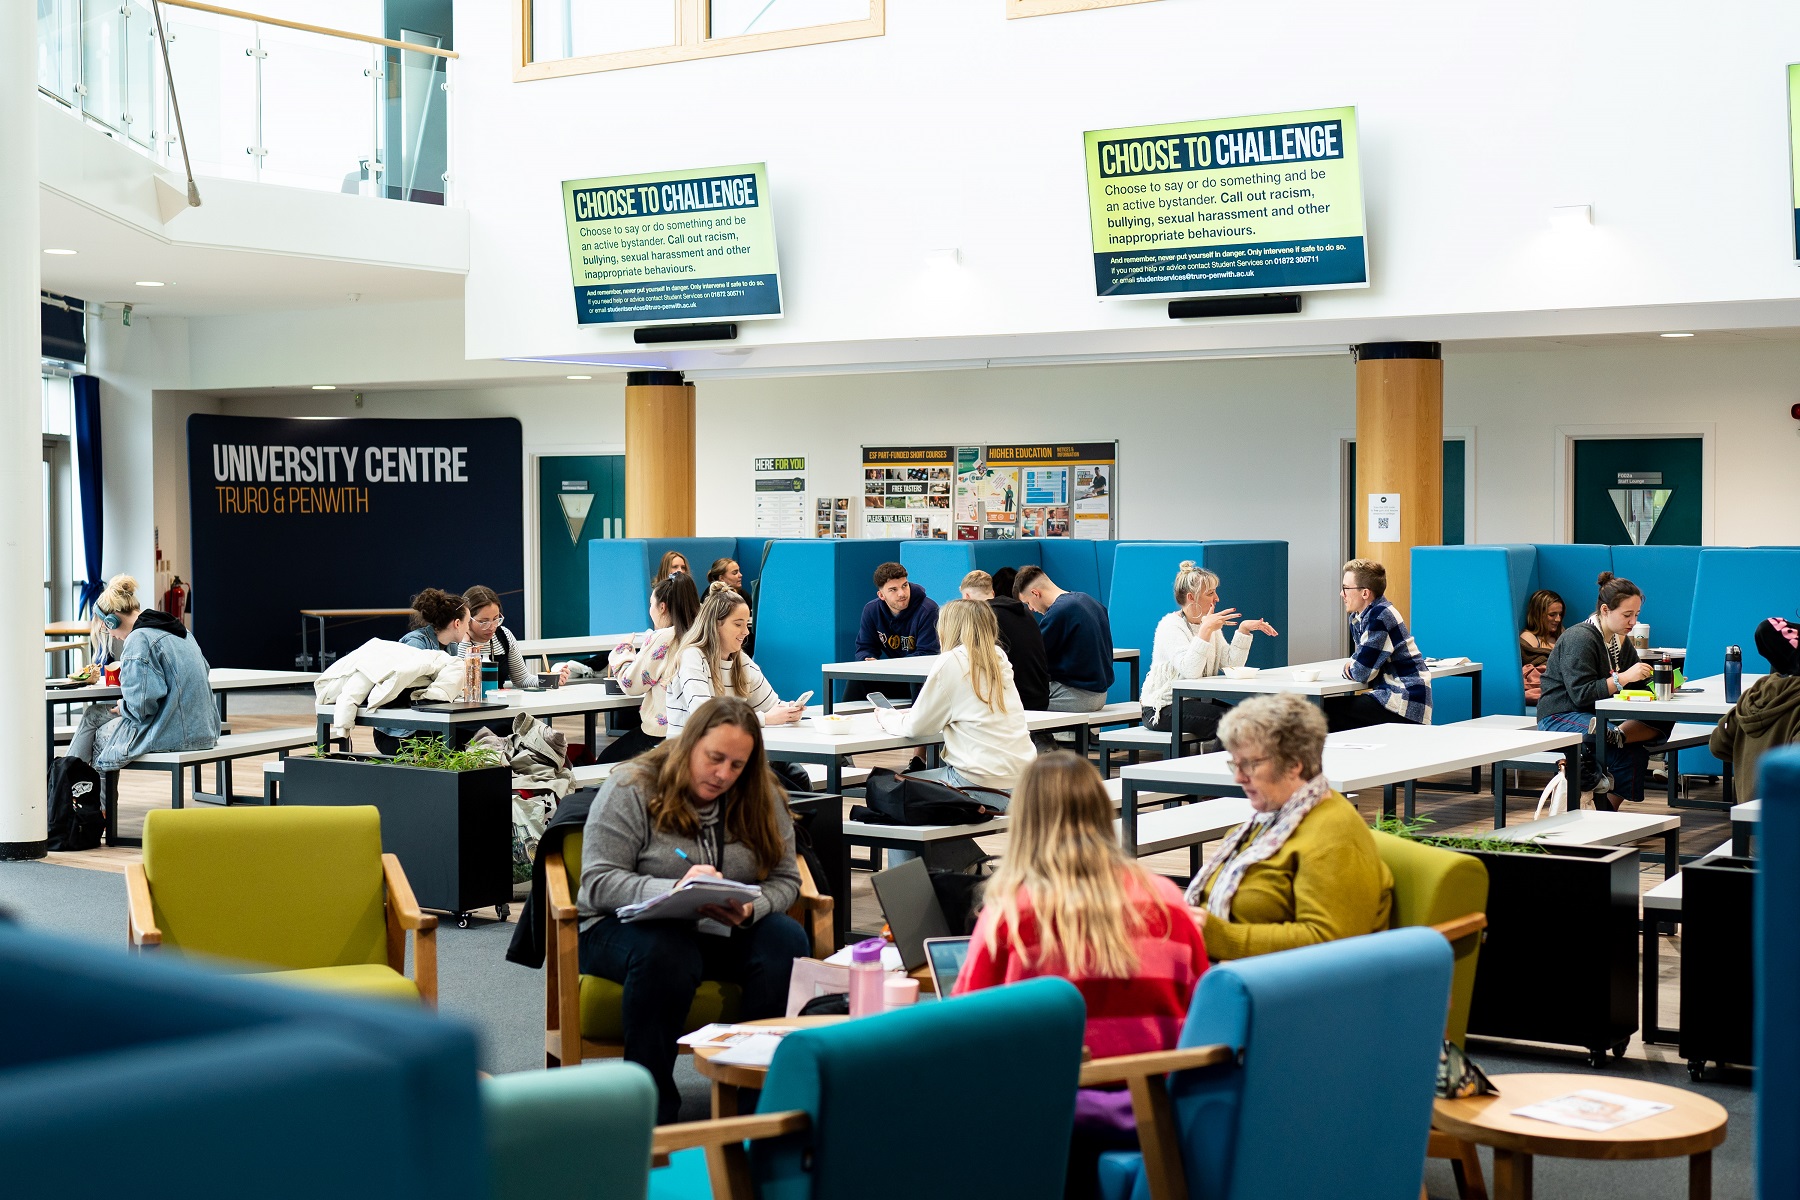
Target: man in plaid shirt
[(1386, 658)]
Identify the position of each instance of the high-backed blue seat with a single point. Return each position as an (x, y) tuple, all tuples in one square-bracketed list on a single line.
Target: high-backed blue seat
[(1074, 564), (812, 596), (1253, 578), (1668, 575), (1468, 601), (1143, 593), (1778, 975), (1330, 1089), (1734, 589), (620, 571), (936, 566), (1571, 572), (132, 1076)]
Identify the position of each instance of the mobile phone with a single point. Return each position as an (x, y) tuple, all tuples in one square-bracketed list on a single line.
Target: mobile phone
[(1684, 691), (803, 698), (880, 701)]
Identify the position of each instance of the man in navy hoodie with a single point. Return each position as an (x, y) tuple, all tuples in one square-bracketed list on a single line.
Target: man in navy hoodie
[(899, 623)]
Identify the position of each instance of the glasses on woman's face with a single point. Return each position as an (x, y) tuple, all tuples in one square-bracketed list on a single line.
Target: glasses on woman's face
[(1244, 768), (488, 622)]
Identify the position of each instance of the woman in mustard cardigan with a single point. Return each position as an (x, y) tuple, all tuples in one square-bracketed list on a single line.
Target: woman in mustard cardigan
[(1304, 868)]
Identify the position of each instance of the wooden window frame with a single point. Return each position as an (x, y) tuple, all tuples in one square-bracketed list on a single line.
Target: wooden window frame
[(690, 42), (1044, 8)]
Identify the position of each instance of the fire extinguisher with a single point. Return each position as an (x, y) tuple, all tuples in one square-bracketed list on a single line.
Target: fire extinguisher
[(175, 600)]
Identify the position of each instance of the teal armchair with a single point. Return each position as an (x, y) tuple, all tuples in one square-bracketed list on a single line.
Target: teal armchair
[(581, 1134)]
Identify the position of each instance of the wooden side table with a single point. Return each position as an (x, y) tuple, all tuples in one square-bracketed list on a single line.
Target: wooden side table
[(1692, 1127), (728, 1079)]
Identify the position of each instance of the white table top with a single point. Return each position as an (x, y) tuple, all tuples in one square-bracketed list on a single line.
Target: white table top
[(1330, 680), (1373, 757), (1747, 813), (593, 643), (222, 679), (861, 733), (915, 668), (1708, 702), (1585, 828), (556, 702), (1666, 896)]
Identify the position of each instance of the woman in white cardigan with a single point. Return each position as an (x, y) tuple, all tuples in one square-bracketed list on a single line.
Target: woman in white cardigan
[(1190, 644), (970, 697)]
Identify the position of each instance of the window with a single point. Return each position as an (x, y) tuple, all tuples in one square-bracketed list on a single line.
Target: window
[(1040, 8), (574, 37)]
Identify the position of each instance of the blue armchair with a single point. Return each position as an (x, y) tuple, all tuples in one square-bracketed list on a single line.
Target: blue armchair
[(1336, 1045), (973, 1098), (125, 1074)]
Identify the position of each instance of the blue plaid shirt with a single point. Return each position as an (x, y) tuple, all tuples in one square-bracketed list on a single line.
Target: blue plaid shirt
[(1388, 660)]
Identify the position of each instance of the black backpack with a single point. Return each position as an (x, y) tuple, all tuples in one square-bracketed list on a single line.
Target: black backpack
[(77, 805), (909, 800)]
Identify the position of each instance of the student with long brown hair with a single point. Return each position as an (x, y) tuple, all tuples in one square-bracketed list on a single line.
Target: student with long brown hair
[(489, 637), (1067, 901), (711, 661), (641, 667), (701, 804), (674, 562)]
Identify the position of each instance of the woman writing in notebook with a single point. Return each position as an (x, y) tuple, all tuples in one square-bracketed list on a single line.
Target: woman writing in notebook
[(703, 804)]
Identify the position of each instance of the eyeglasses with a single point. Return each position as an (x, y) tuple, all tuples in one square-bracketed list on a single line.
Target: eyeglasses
[(493, 620), (1352, 589), (1245, 767)]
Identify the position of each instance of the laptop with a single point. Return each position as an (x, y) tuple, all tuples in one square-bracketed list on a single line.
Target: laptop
[(945, 958), (459, 706), (911, 908)]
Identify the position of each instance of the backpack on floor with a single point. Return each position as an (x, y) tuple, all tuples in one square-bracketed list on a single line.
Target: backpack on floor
[(909, 800), (77, 805)]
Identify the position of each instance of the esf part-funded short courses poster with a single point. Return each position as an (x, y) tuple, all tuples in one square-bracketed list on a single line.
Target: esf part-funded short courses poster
[(1243, 204), (673, 247)]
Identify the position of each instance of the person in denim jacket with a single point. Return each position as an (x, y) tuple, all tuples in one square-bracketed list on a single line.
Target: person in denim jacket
[(167, 702)]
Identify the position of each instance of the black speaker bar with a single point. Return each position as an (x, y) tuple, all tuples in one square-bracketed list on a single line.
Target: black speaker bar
[(1372, 351), (725, 331), (1234, 306)]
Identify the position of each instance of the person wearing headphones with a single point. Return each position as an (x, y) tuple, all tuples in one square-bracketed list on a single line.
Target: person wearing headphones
[(167, 701)]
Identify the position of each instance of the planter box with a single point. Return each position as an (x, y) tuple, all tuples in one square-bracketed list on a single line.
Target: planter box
[(1718, 963), (1560, 963), (451, 830)]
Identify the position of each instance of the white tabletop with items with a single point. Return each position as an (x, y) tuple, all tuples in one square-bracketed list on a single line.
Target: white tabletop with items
[(222, 679), (586, 700), (1379, 756), (1317, 681), (1695, 700), (915, 668)]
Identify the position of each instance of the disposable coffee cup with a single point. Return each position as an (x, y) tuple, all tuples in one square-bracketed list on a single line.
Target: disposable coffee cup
[(1640, 636)]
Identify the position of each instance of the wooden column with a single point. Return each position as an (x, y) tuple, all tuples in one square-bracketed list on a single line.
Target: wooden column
[(659, 455), (1400, 452)]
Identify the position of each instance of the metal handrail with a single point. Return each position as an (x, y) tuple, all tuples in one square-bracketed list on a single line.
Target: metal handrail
[(304, 28)]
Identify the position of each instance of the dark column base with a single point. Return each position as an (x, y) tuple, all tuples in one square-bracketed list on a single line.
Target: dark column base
[(23, 851)]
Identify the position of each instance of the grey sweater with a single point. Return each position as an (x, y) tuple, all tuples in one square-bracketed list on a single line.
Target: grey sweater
[(1575, 677), (625, 859)]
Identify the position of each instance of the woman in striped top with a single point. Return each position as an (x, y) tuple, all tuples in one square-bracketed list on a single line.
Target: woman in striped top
[(1066, 901), (710, 662), (490, 639)]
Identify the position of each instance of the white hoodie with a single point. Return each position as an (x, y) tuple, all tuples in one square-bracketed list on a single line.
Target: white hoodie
[(990, 746)]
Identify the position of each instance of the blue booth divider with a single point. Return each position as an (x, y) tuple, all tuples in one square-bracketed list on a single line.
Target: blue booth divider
[(1075, 566), (1468, 602), (620, 571), (1668, 575), (813, 594), (1253, 578), (1570, 572)]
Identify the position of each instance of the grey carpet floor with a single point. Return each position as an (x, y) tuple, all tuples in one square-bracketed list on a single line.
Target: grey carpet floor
[(504, 1003)]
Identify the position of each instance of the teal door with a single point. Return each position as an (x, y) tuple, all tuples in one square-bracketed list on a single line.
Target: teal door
[(580, 498), (1455, 496), (1638, 491)]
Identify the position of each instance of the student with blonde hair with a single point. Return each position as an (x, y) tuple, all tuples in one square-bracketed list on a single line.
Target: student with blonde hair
[(1190, 644), (710, 661), (1067, 901), (167, 700), (970, 698)]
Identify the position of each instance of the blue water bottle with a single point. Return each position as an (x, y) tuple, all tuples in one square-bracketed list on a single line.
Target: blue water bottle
[(1734, 674)]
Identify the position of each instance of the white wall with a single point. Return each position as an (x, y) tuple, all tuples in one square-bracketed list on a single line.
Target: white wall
[(961, 128)]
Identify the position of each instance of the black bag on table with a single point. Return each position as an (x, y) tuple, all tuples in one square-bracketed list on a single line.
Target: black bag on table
[(909, 800), (77, 805)]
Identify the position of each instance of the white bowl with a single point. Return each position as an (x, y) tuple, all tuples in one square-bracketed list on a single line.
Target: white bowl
[(1309, 676), (1241, 672)]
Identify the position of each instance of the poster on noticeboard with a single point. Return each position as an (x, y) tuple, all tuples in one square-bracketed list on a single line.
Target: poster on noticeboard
[(985, 493)]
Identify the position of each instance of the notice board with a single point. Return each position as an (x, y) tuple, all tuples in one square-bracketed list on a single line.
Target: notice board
[(288, 514), (673, 247), (992, 492), (1244, 204)]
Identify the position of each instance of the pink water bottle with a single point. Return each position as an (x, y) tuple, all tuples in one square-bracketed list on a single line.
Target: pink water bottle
[(866, 977)]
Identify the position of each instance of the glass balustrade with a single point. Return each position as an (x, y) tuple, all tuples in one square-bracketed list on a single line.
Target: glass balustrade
[(259, 100)]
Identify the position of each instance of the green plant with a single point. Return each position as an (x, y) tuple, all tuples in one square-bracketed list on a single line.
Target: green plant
[(1413, 831), (435, 754)]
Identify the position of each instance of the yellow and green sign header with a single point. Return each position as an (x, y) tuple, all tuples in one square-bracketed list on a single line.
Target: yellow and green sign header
[(1243, 204), (673, 247)]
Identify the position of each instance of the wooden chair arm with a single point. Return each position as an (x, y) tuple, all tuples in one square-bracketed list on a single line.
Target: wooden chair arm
[(140, 915), (808, 903), (1458, 928), (722, 1131), (400, 896), (1127, 1067), (556, 882)]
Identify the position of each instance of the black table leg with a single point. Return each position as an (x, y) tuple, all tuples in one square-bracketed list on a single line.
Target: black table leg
[(1499, 796), (830, 694), (1672, 851), (1128, 808), (1412, 794), (1134, 679), (1475, 694), (1387, 799), (1176, 712), (590, 732)]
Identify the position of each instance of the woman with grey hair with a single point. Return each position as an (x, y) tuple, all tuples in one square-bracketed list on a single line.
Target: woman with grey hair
[(1303, 869), (1190, 644)]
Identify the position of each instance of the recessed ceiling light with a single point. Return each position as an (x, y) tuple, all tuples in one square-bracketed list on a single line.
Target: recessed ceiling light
[(324, 387), (148, 283), (579, 377), (59, 251), (1676, 335)]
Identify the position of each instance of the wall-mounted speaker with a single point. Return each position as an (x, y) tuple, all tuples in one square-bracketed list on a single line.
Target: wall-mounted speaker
[(1234, 306), (724, 331)]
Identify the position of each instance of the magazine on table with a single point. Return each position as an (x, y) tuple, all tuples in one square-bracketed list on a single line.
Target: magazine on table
[(1592, 1109)]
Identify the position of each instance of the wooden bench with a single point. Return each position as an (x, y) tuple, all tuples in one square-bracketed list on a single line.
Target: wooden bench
[(1593, 828), (226, 750)]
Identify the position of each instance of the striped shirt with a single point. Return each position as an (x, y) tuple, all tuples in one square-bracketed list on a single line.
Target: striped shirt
[(1388, 660), (1124, 1016), (691, 686), (504, 651)]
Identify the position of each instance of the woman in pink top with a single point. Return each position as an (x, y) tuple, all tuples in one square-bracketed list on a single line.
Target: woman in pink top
[(1066, 901)]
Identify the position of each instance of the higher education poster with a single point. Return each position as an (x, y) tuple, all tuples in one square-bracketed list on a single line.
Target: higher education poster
[(1244, 204), (673, 247)]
